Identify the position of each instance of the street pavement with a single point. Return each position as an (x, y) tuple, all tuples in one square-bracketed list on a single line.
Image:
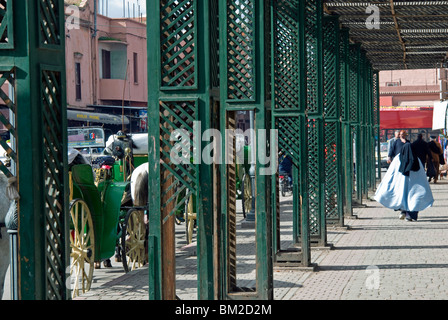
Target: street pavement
[(376, 257)]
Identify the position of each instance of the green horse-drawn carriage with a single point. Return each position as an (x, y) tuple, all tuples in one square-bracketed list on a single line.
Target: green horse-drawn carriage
[(103, 224), (131, 151)]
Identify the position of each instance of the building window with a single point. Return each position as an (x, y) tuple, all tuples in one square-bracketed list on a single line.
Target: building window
[(135, 67), (78, 80), (393, 84), (105, 62)]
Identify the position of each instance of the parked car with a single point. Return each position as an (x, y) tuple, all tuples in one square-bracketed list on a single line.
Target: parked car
[(383, 153)]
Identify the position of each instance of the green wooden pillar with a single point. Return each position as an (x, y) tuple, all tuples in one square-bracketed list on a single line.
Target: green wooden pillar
[(244, 39), (179, 100), (333, 135), (347, 139), (289, 118), (363, 125), (355, 103), (315, 125), (372, 132), (376, 121), (33, 61)]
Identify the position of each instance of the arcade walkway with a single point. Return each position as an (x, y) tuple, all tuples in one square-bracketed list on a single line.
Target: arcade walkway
[(377, 257)]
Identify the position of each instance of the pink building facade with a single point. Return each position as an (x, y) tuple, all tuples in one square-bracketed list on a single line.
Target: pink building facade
[(406, 88), (106, 63), (408, 96)]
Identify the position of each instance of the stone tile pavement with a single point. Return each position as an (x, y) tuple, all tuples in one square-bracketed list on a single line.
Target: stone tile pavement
[(377, 257)]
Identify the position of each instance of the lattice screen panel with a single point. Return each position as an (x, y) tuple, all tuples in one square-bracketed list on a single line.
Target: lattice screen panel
[(241, 49), (6, 24), (330, 60), (331, 170), (53, 151), (376, 107), (353, 83), (344, 73), (313, 175), (289, 137), (332, 107), (178, 37), (286, 62), (178, 181), (312, 60), (49, 22), (7, 77), (314, 108)]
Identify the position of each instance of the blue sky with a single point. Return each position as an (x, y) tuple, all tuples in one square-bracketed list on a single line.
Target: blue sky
[(116, 7)]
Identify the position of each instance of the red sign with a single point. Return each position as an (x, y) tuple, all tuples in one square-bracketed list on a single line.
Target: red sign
[(405, 117)]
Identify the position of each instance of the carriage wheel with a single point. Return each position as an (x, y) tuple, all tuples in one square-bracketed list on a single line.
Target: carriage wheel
[(247, 195), (82, 247), (190, 218), (133, 239)]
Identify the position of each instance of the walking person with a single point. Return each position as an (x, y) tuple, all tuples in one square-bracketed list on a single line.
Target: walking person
[(404, 187), (392, 140), (421, 149), (396, 146), (436, 151)]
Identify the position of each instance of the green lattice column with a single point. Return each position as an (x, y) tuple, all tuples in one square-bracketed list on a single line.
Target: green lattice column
[(376, 116), (363, 126), (32, 54), (355, 103), (372, 134), (333, 135), (244, 85), (178, 101), (314, 104), (347, 138), (289, 118)]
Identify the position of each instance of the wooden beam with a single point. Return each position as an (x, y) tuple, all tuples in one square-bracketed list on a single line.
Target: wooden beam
[(397, 28)]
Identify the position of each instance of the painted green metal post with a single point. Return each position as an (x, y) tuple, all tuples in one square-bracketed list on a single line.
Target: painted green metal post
[(244, 33), (333, 136), (289, 118), (179, 103), (33, 52)]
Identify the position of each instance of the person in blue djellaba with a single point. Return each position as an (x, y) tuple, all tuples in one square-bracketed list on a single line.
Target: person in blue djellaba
[(404, 187)]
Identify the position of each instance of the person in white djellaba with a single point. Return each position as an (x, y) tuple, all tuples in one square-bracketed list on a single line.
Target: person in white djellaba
[(405, 187)]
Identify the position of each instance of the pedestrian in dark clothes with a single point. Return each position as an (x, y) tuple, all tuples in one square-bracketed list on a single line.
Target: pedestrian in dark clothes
[(421, 149), (397, 145)]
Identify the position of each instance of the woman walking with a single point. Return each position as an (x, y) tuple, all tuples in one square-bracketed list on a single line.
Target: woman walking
[(404, 187)]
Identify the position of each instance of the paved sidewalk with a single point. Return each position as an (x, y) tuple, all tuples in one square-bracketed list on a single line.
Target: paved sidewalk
[(377, 257)]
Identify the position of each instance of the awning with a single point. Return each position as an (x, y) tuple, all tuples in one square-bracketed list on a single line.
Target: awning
[(406, 117), (95, 117)]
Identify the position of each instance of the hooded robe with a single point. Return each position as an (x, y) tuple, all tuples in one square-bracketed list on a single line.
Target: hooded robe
[(404, 186)]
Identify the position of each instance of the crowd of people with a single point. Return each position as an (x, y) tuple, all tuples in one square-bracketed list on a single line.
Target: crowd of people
[(405, 186)]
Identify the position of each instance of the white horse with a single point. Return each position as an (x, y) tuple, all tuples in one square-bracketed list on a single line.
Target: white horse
[(4, 240)]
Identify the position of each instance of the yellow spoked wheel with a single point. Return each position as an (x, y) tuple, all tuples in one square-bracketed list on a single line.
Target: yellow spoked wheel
[(133, 237), (190, 219), (247, 194), (82, 247)]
